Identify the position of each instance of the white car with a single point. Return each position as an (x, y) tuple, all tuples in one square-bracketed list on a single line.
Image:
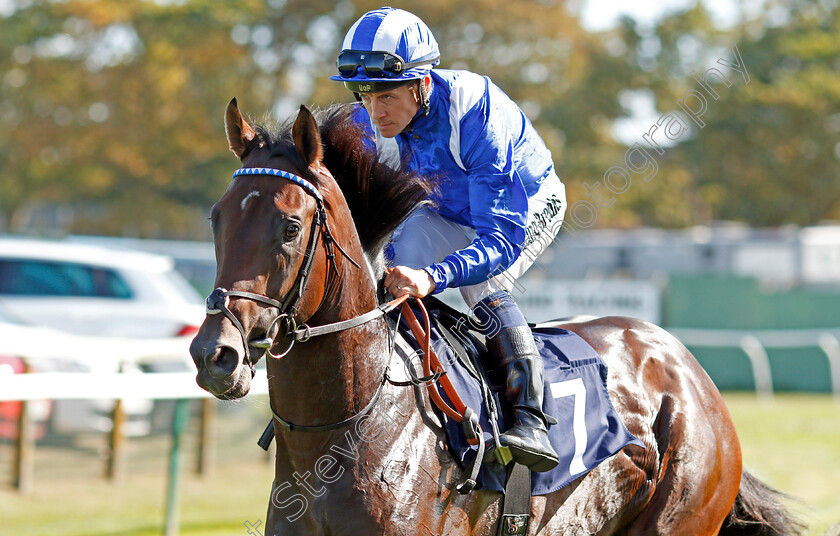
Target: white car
[(91, 290), (89, 307), (45, 349)]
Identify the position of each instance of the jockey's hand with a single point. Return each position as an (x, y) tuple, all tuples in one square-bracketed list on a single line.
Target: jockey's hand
[(402, 280)]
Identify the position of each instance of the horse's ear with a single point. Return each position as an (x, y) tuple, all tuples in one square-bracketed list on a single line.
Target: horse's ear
[(240, 135), (306, 136)]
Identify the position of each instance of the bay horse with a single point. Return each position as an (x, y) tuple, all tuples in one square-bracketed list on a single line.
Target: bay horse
[(304, 248)]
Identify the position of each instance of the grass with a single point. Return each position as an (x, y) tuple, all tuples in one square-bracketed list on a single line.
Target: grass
[(792, 443), (72, 498)]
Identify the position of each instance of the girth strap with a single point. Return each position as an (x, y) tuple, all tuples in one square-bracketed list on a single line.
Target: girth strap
[(516, 503)]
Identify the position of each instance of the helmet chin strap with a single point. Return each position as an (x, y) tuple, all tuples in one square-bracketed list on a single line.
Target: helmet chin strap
[(426, 93), (423, 99)]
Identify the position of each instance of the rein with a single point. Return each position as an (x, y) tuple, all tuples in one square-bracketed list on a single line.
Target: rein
[(219, 300), (459, 412)]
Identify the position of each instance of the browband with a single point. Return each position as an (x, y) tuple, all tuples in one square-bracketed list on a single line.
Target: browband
[(300, 181)]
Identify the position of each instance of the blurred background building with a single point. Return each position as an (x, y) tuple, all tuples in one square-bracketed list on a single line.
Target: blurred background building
[(728, 278)]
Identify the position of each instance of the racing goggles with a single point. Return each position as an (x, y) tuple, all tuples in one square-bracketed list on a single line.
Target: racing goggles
[(375, 64)]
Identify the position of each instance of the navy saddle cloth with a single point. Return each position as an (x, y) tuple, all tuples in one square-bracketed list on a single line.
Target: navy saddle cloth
[(588, 429)]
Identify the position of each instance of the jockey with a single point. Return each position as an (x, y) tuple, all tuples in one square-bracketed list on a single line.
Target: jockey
[(498, 204)]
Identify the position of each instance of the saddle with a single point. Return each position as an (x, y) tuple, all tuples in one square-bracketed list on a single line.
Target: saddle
[(584, 428)]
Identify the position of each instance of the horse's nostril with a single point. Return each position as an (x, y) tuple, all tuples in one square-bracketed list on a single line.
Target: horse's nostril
[(223, 362)]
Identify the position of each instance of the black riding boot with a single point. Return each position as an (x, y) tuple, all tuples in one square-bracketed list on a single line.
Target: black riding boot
[(528, 437), (512, 347)]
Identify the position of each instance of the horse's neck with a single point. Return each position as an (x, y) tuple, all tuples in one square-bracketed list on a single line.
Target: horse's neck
[(379, 473), (332, 377), (390, 454)]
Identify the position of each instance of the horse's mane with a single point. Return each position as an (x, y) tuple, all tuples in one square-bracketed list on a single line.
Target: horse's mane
[(379, 196)]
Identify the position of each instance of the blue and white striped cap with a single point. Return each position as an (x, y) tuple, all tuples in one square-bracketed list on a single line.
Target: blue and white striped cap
[(397, 31)]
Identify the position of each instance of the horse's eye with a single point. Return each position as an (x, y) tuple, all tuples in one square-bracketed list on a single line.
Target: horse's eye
[(292, 231)]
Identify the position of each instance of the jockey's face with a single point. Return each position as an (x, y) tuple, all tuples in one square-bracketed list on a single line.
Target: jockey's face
[(391, 111)]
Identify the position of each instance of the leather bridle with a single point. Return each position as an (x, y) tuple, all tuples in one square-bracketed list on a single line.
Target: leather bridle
[(218, 300)]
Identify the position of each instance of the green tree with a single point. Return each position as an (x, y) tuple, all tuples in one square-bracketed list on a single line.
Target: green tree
[(767, 153), (113, 108)]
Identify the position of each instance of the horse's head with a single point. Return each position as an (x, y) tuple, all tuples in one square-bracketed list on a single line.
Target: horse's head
[(270, 229)]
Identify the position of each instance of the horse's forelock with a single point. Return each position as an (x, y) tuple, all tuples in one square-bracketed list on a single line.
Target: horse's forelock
[(277, 138)]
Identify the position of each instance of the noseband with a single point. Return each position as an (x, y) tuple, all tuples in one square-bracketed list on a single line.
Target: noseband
[(218, 300)]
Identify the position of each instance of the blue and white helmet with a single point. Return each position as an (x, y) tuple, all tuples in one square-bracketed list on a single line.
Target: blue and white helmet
[(385, 48)]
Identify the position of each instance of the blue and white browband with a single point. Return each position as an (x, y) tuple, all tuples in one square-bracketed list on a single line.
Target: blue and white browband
[(300, 181)]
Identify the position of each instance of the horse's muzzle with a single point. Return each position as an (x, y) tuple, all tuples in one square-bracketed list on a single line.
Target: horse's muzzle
[(221, 368)]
